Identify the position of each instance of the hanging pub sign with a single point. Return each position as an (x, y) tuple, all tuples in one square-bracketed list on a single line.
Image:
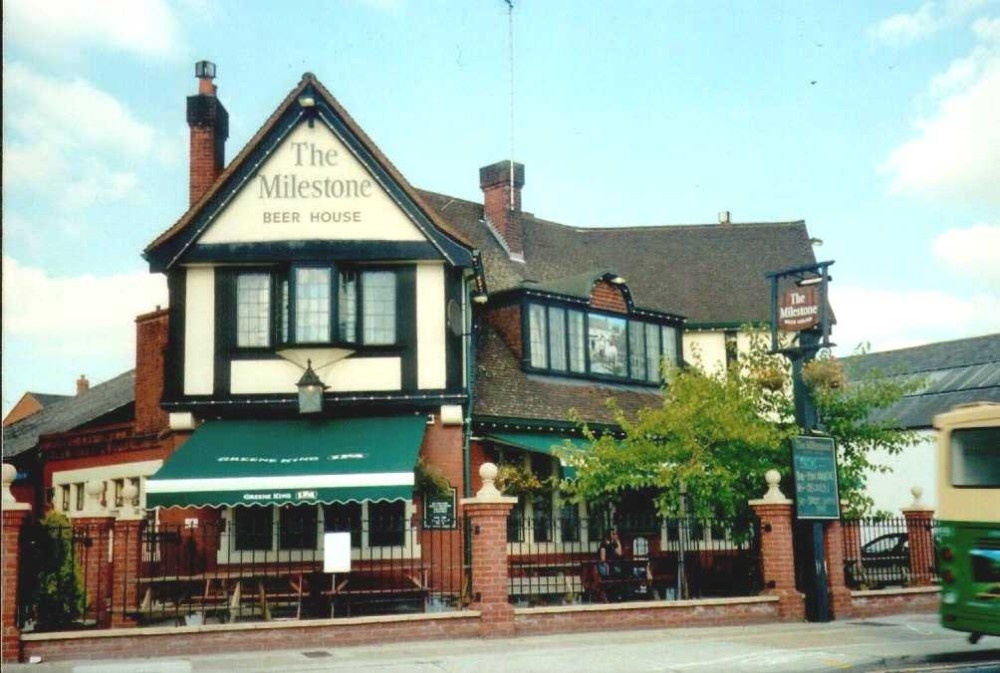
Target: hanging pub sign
[(814, 465), (439, 510), (798, 309)]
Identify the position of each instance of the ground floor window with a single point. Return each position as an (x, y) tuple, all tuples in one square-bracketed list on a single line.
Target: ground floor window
[(254, 527), (297, 527)]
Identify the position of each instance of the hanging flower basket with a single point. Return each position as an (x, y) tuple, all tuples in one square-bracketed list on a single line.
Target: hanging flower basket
[(429, 480), (513, 479), (826, 374), (772, 378)]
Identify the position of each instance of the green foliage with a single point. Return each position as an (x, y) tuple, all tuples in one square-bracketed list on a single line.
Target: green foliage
[(430, 480), (57, 598), (717, 433), (519, 479)]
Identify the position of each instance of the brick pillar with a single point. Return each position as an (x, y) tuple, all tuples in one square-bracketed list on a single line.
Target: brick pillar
[(488, 513), (126, 555), (921, 538), (15, 514), (776, 552), (92, 551), (833, 552)]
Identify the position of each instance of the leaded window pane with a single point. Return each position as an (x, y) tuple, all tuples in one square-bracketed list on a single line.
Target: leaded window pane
[(348, 306), (577, 354), (379, 299), (538, 336), (670, 345), (607, 344), (284, 311), (637, 350), (557, 338), (652, 353), (253, 310), (312, 305)]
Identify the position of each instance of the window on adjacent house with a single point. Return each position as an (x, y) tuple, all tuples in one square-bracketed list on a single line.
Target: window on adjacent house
[(253, 310), (253, 528), (539, 336), (347, 302), (637, 349), (79, 496), (297, 527), (577, 352), (312, 305), (652, 353), (64, 497), (606, 335), (557, 338), (732, 350)]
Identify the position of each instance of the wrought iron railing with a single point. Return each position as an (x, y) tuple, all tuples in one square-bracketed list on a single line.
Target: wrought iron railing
[(878, 554), (558, 561)]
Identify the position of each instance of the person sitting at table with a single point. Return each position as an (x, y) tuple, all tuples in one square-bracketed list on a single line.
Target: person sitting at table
[(608, 554)]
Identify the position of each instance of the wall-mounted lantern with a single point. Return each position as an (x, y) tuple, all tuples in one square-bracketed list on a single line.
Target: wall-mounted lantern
[(310, 391)]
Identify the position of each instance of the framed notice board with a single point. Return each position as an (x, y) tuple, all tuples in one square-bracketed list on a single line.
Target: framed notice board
[(439, 510), (814, 464)]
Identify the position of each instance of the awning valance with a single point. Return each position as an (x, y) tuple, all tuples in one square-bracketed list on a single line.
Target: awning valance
[(545, 444), (265, 462)]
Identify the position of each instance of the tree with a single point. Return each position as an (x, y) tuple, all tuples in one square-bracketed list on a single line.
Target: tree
[(717, 433), (57, 597)]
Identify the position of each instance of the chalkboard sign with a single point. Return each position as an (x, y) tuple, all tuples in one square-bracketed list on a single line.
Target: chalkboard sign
[(439, 510), (814, 462)]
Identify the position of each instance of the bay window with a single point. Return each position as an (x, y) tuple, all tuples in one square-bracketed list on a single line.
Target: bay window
[(316, 305), (580, 342)]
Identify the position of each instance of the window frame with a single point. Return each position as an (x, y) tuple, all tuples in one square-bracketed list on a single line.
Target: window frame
[(569, 309), (282, 328)]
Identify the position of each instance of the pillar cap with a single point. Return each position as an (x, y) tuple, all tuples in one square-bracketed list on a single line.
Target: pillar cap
[(774, 496), (9, 502), (489, 493)]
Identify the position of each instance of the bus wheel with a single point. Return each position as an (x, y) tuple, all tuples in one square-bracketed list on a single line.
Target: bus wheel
[(974, 638)]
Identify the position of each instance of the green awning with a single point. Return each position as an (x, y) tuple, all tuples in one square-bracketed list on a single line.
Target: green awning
[(228, 463), (546, 444)]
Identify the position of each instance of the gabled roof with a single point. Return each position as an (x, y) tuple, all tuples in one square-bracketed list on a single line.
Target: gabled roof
[(47, 399), (170, 245), (713, 274), (955, 372), (69, 413)]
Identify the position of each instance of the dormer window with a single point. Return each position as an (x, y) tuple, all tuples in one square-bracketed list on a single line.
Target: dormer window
[(598, 344)]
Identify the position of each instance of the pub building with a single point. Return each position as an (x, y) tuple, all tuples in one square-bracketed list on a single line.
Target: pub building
[(338, 339)]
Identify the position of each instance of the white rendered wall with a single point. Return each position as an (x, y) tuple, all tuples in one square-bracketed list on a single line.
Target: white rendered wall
[(350, 375), (431, 342), (199, 331), (915, 466)]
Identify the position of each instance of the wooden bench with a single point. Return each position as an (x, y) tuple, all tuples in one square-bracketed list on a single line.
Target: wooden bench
[(379, 585)]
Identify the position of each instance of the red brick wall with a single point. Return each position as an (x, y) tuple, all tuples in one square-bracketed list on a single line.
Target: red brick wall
[(204, 170), (866, 604), (507, 322), (442, 448), (489, 567), (608, 297), (778, 557), (150, 345), (12, 522), (182, 641)]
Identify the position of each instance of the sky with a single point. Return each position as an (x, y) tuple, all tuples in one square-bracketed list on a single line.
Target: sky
[(878, 123)]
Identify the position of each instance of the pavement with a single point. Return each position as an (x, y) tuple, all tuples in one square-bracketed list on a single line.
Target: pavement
[(897, 643)]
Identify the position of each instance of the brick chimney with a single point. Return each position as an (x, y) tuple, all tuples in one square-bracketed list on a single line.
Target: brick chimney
[(150, 348), (82, 385), (209, 124), (503, 214)]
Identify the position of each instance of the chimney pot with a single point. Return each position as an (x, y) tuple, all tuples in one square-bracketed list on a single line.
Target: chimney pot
[(502, 206), (724, 217), (82, 385)]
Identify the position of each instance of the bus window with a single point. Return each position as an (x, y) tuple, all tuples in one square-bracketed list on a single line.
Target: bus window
[(975, 457)]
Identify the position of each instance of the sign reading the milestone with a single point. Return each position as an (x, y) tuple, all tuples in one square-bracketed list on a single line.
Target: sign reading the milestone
[(798, 309), (439, 510), (313, 171), (814, 464)]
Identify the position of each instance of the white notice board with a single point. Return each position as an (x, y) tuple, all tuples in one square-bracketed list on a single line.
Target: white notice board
[(336, 552)]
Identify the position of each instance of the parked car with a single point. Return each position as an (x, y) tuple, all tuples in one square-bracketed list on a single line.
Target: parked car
[(885, 561)]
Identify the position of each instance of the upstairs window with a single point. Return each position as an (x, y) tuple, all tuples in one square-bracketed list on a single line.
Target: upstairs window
[(253, 310), (316, 305), (573, 341)]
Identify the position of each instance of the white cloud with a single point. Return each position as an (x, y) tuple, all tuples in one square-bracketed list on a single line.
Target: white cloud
[(889, 319), (973, 252), (987, 29), (57, 30), (65, 134), (89, 309), (904, 28), (956, 151)]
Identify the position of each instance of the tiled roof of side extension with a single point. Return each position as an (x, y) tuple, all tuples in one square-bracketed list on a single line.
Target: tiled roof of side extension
[(955, 372), (46, 399), (711, 273), (69, 413), (307, 79), (504, 390)]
